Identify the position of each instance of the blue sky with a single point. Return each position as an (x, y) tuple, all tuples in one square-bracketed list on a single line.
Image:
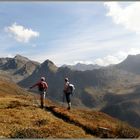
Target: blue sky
[(70, 32)]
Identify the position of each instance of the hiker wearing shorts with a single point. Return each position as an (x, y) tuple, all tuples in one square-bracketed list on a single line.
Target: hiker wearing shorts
[(42, 88), (67, 93)]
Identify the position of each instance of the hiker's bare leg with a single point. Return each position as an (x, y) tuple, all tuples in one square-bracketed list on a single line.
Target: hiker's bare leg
[(69, 105), (42, 100), (44, 95)]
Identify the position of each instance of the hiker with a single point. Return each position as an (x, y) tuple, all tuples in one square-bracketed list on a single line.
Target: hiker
[(42, 87), (68, 92)]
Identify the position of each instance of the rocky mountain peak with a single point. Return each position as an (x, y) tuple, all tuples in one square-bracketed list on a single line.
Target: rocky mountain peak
[(48, 62), (49, 65), (131, 64), (20, 57)]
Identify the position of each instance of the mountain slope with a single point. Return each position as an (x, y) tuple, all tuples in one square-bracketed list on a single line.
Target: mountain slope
[(131, 64), (15, 63), (46, 69), (21, 118), (124, 106), (96, 79), (18, 67)]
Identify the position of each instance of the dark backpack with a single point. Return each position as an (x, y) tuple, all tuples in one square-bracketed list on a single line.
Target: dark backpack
[(41, 86)]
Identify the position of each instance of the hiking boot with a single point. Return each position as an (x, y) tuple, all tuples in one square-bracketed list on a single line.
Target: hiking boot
[(41, 107), (68, 108)]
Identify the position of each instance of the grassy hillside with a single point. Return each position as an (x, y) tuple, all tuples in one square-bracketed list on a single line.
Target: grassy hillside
[(22, 118)]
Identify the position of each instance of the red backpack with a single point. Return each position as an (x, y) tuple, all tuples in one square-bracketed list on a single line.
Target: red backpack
[(41, 86)]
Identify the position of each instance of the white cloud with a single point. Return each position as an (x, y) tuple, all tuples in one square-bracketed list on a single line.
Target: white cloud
[(107, 60), (117, 57), (60, 58), (20, 33), (10, 55), (106, 52), (83, 62), (128, 16)]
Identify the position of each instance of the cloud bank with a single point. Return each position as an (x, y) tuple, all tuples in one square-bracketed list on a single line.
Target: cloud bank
[(20, 33), (128, 16), (117, 57)]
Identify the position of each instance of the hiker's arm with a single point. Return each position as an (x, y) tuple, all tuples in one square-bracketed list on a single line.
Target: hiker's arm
[(34, 85)]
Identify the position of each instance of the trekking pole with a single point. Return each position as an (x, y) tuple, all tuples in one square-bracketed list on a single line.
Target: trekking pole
[(35, 101)]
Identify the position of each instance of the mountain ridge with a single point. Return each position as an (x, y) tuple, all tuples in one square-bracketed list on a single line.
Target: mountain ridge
[(19, 67), (82, 66), (131, 64)]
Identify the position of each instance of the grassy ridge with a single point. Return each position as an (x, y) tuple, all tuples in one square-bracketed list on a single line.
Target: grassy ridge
[(96, 123), (21, 118)]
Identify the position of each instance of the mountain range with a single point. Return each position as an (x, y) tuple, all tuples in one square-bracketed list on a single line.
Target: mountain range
[(82, 67), (113, 89)]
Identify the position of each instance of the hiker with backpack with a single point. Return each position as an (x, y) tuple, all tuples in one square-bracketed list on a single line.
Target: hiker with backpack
[(68, 91), (42, 88)]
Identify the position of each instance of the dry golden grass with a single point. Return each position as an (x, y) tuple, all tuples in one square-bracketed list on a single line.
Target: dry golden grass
[(96, 123), (20, 118)]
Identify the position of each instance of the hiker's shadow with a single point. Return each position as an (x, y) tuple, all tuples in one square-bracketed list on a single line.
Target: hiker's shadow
[(50, 108)]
